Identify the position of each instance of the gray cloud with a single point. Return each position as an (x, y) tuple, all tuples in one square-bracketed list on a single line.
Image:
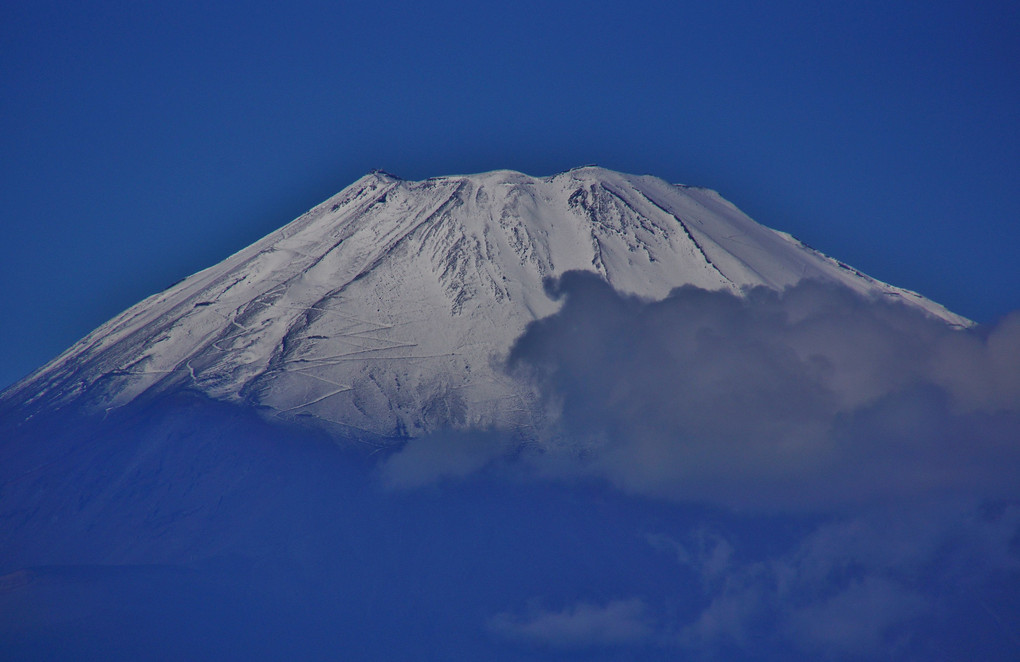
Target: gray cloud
[(812, 398), (580, 625)]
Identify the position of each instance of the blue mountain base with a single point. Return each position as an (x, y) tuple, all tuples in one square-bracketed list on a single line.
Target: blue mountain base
[(183, 528)]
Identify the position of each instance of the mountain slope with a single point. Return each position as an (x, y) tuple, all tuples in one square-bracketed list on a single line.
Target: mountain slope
[(387, 309)]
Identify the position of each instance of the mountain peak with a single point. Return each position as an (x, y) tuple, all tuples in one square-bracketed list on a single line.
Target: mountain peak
[(387, 309)]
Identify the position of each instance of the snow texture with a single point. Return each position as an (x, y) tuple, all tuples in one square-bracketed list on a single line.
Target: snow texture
[(388, 310)]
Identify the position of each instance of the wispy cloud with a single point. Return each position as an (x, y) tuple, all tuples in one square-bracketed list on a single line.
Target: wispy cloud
[(444, 455), (580, 625), (850, 587)]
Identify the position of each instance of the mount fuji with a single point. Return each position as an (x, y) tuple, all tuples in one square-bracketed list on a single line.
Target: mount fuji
[(589, 416), (387, 310)]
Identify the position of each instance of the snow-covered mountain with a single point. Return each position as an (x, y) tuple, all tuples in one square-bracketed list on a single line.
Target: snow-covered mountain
[(387, 310)]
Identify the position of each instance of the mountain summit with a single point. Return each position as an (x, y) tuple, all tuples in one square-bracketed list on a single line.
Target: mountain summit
[(388, 309)]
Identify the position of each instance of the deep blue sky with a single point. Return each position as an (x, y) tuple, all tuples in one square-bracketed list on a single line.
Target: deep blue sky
[(142, 143)]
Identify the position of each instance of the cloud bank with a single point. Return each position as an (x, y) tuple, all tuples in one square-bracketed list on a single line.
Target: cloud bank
[(869, 454), (814, 398)]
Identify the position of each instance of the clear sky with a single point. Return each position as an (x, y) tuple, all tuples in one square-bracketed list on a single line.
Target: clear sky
[(142, 143)]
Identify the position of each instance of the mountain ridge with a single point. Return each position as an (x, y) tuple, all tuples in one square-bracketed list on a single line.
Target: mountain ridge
[(386, 310)]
